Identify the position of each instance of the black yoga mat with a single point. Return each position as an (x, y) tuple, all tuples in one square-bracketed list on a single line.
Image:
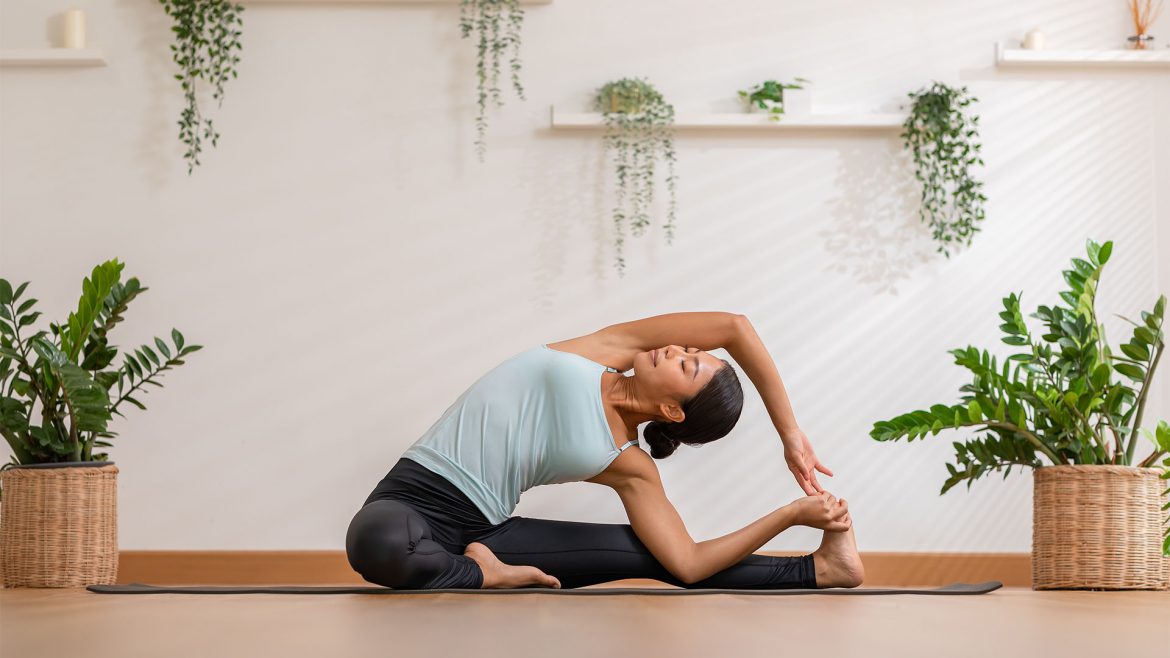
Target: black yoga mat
[(138, 588)]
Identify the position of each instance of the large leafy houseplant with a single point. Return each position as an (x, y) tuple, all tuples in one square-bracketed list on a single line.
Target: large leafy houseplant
[(60, 388), (639, 130), (205, 36), (1058, 399), (943, 138), (497, 26)]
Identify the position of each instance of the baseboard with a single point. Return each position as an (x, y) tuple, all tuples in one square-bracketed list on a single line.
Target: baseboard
[(331, 567)]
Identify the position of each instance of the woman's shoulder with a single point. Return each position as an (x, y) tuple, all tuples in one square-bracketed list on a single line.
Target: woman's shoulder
[(595, 348)]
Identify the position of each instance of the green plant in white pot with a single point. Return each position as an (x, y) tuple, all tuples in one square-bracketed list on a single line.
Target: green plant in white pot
[(59, 389), (1068, 405), (769, 96), (639, 131)]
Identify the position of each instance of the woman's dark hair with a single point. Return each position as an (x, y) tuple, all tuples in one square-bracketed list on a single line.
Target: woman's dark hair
[(710, 415)]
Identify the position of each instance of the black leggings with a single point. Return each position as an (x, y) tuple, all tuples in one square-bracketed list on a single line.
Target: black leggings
[(413, 528)]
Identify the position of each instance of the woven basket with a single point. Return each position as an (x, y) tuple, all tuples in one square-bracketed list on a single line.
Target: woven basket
[(1098, 527), (59, 525)]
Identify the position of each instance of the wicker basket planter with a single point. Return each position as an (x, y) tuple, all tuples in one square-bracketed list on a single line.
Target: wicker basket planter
[(1098, 527), (59, 524)]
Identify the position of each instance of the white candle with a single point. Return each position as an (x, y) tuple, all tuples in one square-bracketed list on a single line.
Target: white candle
[(1034, 40), (74, 28)]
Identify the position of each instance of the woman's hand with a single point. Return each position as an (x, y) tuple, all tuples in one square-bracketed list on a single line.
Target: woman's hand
[(822, 511), (803, 462)]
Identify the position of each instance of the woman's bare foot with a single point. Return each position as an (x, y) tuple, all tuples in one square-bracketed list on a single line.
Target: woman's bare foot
[(497, 575), (837, 562)]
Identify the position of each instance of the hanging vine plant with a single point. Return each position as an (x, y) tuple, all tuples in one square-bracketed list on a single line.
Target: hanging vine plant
[(639, 130), (205, 38), (497, 27), (944, 140)]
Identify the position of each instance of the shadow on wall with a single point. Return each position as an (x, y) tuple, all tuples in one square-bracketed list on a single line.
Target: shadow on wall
[(560, 210), (875, 234)]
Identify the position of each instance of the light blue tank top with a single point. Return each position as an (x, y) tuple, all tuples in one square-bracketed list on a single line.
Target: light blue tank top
[(537, 418)]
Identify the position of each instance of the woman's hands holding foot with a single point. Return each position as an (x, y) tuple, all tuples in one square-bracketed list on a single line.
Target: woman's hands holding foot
[(823, 510), (836, 562)]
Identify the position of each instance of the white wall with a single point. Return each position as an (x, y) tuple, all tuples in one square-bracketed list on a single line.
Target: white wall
[(351, 268)]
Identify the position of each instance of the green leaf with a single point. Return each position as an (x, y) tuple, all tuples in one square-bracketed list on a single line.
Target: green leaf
[(94, 289), (1162, 434), (1103, 254), (1133, 372), (1094, 251), (162, 347), (5, 292), (1136, 351), (974, 412)]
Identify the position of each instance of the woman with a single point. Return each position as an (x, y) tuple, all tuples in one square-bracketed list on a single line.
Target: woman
[(554, 413)]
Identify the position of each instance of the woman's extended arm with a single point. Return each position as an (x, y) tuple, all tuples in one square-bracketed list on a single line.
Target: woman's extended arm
[(656, 522), (749, 352)]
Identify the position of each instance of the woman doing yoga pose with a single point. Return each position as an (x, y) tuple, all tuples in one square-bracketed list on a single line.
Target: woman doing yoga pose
[(554, 413)]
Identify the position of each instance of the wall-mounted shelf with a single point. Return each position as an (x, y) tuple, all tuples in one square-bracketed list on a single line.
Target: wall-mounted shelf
[(52, 57), (737, 121), (1143, 59), (371, 2)]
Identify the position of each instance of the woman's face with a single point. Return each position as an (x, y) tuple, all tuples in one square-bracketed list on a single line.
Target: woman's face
[(676, 372)]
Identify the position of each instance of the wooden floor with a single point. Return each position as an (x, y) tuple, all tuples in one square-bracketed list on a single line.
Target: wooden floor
[(1009, 622)]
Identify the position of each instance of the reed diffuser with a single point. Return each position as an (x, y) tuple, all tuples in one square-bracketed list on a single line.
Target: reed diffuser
[(1144, 13)]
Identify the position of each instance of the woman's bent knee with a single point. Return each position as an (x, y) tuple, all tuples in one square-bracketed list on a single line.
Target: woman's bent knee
[(380, 543)]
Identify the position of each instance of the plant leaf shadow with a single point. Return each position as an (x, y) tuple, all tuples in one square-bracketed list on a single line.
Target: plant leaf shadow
[(875, 234)]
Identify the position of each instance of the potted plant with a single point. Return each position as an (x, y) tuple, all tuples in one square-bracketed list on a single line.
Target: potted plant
[(205, 34), (1058, 407), (58, 391), (497, 25), (769, 96), (639, 130), (944, 140)]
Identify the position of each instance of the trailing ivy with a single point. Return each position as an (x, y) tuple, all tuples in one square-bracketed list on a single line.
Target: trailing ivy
[(639, 131), (205, 34), (944, 140), (1056, 400), (497, 26)]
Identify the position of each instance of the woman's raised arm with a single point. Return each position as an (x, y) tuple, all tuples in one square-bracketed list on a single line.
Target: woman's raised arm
[(749, 352)]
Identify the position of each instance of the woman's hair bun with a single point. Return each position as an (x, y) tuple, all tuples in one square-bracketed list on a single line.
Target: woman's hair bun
[(662, 445)]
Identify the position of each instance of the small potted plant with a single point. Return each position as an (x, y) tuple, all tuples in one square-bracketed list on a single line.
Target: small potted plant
[(1097, 512), (943, 137), (770, 97), (639, 130), (58, 391)]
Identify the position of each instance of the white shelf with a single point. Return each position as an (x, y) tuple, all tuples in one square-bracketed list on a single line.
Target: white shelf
[(1143, 59), (52, 57), (736, 121), (371, 2)]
